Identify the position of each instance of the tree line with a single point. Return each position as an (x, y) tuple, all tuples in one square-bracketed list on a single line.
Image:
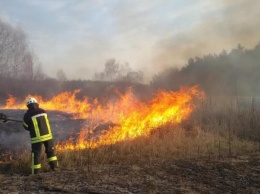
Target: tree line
[(228, 73)]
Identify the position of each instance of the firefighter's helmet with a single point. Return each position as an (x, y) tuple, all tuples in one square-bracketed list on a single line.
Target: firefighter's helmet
[(30, 101)]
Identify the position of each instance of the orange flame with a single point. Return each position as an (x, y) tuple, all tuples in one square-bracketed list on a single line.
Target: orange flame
[(139, 118), (65, 102), (131, 117)]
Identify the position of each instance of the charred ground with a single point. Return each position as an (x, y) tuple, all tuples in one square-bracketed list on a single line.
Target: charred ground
[(235, 175)]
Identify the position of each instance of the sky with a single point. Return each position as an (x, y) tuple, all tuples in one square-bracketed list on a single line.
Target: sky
[(79, 36)]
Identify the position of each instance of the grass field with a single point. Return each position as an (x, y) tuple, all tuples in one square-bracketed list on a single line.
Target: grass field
[(216, 150)]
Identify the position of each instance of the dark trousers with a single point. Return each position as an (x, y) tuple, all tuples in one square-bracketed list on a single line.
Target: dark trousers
[(36, 155)]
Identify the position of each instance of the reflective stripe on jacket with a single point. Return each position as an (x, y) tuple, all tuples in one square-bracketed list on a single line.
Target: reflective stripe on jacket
[(39, 127)]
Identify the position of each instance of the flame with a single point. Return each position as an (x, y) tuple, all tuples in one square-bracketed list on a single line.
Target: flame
[(66, 102), (130, 117), (166, 107)]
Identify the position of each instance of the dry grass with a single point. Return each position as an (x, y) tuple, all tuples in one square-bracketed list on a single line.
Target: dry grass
[(214, 131), (166, 144)]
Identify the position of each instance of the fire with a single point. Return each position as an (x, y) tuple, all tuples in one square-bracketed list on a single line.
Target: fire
[(65, 102), (165, 107), (131, 117)]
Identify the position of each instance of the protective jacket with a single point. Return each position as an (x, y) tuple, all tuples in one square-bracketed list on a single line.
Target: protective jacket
[(37, 123)]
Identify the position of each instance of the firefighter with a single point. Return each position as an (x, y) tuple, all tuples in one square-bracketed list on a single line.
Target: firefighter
[(36, 122)]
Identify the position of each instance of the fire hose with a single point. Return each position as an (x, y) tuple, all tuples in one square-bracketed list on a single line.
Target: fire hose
[(4, 118), (15, 120)]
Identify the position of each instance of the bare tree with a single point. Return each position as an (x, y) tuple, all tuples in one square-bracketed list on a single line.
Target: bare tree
[(115, 71), (110, 73), (135, 76), (6, 45), (111, 69), (38, 73), (124, 70), (17, 61), (61, 76), (99, 76)]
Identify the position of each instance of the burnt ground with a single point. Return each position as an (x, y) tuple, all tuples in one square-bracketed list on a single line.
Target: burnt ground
[(235, 175), (240, 174)]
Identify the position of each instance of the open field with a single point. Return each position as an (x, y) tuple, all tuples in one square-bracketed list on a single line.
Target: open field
[(216, 150), (234, 175)]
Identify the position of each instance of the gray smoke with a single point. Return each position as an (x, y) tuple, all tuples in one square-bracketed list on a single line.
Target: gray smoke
[(228, 24)]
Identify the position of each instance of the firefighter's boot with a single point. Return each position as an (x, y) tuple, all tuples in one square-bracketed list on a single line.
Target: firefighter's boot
[(53, 165)]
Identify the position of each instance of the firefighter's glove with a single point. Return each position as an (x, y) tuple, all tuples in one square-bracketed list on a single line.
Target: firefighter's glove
[(3, 117)]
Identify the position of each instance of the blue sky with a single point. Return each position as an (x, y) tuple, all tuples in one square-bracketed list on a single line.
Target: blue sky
[(78, 36)]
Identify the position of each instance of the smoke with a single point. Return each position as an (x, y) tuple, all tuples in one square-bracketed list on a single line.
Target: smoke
[(13, 136), (228, 24), (80, 37), (15, 141)]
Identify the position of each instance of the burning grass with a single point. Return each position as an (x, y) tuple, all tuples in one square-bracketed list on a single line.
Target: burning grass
[(168, 127), (132, 118), (204, 152)]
